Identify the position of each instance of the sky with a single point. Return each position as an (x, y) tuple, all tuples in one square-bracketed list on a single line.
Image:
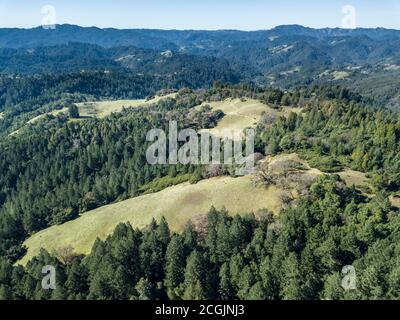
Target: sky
[(200, 14)]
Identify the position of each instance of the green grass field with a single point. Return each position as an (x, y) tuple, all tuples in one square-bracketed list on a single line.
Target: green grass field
[(240, 114), (53, 113), (181, 203), (356, 178), (395, 200), (101, 109), (177, 204), (340, 75)]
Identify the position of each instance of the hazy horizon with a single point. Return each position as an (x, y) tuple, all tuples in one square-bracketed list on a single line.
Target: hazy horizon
[(210, 15), (210, 30)]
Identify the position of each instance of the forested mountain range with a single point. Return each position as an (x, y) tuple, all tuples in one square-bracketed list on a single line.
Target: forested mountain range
[(79, 57), (335, 46), (367, 60), (162, 39)]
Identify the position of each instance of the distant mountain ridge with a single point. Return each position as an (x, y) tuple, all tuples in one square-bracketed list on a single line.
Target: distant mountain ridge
[(78, 57), (161, 39), (366, 60)]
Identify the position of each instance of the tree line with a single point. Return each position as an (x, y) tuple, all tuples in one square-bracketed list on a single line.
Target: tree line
[(296, 255)]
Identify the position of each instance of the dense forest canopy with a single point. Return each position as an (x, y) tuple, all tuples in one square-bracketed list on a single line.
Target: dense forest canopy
[(341, 90), (77, 64), (298, 255), (56, 169), (365, 60)]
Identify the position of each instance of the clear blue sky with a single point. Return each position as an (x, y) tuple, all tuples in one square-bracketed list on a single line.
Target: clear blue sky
[(202, 14)]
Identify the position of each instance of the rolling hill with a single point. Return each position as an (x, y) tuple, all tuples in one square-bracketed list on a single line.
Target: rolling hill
[(101, 109), (240, 114), (177, 204), (180, 204)]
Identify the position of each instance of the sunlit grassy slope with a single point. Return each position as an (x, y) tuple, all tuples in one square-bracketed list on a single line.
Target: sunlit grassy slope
[(101, 109), (178, 204), (243, 113), (104, 108)]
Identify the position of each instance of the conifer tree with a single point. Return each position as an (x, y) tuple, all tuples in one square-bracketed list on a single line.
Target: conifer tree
[(175, 266)]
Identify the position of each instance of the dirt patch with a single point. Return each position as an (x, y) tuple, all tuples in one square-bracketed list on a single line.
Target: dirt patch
[(194, 199), (395, 201), (200, 223)]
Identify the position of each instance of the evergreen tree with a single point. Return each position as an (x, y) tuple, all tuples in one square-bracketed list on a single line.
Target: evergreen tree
[(175, 266), (291, 286), (163, 233), (226, 291), (194, 287), (73, 111), (145, 290)]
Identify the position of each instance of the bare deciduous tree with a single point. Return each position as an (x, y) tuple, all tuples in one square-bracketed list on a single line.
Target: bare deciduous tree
[(65, 255)]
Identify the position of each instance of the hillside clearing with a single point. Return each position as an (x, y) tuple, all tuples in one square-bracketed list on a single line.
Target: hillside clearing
[(179, 204), (102, 109), (182, 203), (53, 113), (241, 114), (356, 178), (395, 200), (340, 75)]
